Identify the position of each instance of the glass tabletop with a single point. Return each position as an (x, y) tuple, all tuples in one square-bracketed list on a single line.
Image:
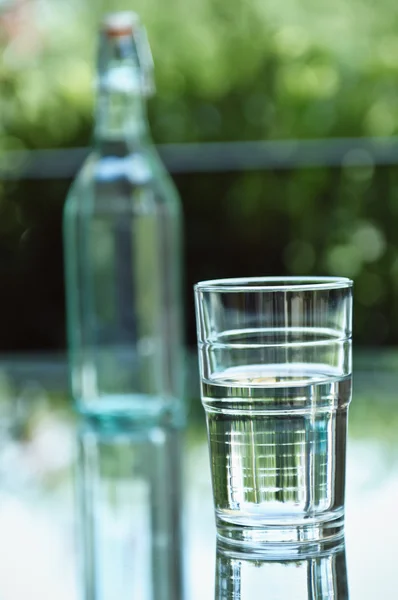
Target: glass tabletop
[(38, 517)]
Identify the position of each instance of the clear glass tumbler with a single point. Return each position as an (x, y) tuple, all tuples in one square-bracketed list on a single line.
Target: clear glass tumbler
[(275, 366)]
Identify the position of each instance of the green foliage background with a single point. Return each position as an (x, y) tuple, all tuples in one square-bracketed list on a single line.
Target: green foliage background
[(236, 70)]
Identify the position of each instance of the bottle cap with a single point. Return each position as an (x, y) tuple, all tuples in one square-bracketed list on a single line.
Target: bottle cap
[(120, 23)]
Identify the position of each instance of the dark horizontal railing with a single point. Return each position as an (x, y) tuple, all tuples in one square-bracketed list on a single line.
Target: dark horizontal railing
[(217, 157)]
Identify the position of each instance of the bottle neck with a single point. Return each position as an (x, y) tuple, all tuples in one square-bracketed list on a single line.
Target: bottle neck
[(120, 117), (121, 107)]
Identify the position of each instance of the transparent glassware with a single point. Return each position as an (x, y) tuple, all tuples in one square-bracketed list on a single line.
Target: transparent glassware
[(130, 525), (247, 576), (275, 366), (122, 242)]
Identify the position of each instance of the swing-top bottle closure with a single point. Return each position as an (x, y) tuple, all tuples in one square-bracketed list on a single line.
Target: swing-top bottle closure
[(127, 24)]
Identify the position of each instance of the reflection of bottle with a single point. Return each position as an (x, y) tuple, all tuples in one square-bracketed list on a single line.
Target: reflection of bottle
[(129, 526), (122, 247), (319, 575)]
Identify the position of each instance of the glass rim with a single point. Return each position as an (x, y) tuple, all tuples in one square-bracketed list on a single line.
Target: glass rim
[(273, 284)]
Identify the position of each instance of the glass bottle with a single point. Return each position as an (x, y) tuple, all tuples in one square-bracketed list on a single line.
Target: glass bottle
[(122, 242)]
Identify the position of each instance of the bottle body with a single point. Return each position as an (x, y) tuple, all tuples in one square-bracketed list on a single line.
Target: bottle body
[(122, 228)]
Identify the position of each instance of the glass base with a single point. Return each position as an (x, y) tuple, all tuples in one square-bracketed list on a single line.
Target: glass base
[(283, 538)]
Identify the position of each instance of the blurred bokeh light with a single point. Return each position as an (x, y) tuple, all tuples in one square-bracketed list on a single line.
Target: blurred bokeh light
[(225, 72)]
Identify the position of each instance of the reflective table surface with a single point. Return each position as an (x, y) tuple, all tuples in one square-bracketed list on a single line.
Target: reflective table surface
[(38, 517)]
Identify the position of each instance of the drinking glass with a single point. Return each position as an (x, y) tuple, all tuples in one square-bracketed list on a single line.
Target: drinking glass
[(275, 367)]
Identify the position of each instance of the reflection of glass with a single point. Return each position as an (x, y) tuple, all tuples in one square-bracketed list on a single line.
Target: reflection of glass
[(130, 513), (247, 576), (275, 366)]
